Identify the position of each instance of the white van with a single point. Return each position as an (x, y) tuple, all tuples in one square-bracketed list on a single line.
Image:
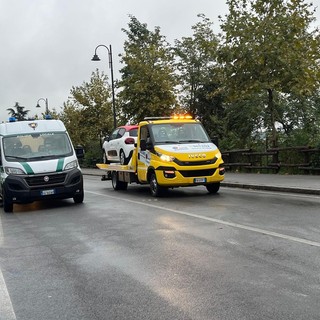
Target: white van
[(37, 162)]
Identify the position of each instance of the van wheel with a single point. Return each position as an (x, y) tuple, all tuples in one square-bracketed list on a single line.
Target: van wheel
[(116, 183), (156, 190), (7, 205), (78, 198), (213, 187)]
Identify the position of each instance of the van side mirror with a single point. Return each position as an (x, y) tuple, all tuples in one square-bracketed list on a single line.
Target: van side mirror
[(79, 152)]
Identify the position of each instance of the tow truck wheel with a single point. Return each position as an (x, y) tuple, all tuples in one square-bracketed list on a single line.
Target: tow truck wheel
[(156, 190), (7, 205), (116, 183), (213, 187)]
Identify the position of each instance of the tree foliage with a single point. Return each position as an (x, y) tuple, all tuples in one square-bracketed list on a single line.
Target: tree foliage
[(88, 112), (147, 82), (198, 75), (18, 112), (255, 83), (268, 46)]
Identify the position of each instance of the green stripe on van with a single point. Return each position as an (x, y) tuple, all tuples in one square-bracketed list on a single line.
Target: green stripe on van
[(60, 165), (27, 168)]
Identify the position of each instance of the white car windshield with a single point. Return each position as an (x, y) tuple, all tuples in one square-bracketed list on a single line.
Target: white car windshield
[(35, 146), (179, 133)]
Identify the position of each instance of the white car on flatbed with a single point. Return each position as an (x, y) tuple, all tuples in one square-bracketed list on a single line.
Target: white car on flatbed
[(118, 147)]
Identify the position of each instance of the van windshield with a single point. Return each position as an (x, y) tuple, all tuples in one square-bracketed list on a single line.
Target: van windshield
[(35, 146), (179, 133)]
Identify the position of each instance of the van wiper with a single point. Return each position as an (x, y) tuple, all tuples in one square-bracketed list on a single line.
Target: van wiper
[(18, 158)]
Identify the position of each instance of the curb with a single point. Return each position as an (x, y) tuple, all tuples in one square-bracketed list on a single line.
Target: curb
[(270, 188)]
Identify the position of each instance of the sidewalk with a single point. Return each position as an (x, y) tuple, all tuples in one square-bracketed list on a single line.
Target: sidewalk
[(305, 184)]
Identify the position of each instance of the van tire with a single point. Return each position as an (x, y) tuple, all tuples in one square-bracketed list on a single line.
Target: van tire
[(116, 183), (7, 205), (78, 198)]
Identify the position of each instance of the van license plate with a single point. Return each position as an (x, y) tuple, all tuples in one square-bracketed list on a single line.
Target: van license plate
[(199, 180), (47, 192)]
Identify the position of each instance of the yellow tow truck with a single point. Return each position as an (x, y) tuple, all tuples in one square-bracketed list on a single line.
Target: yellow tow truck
[(170, 152)]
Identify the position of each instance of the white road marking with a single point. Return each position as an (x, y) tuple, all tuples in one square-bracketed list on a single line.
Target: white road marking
[(226, 223), (6, 309)]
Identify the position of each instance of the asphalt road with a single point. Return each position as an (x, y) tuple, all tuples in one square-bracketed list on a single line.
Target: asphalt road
[(240, 254)]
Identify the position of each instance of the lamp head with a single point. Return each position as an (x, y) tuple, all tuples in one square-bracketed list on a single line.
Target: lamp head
[(38, 105), (95, 58)]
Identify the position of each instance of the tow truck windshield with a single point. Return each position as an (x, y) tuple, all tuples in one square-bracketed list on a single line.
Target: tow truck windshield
[(179, 133), (32, 147)]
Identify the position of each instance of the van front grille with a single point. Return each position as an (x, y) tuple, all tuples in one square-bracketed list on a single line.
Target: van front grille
[(46, 180)]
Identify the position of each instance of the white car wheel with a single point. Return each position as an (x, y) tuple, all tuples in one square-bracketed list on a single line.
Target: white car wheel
[(123, 160)]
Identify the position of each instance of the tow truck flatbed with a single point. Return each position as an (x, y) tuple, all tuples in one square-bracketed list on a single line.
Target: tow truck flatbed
[(115, 167)]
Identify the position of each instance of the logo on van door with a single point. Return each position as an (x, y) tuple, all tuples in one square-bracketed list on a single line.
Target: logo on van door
[(33, 125)]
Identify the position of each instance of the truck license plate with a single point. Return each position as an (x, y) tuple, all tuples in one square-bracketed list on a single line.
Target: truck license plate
[(199, 180), (47, 192)]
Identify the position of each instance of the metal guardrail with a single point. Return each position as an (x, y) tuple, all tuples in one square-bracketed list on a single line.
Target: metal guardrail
[(298, 159)]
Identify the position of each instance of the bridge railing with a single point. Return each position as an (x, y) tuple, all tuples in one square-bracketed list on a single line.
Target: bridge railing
[(292, 160)]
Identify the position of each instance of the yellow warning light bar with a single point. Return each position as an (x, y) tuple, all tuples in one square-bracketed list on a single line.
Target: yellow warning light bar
[(175, 117), (181, 116)]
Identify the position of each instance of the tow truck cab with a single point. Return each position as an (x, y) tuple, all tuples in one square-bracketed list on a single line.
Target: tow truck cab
[(37, 162), (176, 152)]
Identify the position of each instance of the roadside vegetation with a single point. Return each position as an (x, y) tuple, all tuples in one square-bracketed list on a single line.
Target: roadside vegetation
[(254, 84)]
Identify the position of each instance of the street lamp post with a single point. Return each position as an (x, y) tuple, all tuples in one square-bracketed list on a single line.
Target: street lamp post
[(46, 102), (96, 58)]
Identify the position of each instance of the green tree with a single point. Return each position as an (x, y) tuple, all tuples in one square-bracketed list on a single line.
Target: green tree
[(88, 113), (147, 83), (196, 60), (268, 46), (198, 75), (18, 112)]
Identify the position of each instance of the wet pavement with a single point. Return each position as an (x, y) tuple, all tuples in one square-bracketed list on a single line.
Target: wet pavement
[(305, 184)]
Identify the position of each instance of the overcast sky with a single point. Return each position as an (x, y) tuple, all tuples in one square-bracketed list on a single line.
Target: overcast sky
[(46, 46)]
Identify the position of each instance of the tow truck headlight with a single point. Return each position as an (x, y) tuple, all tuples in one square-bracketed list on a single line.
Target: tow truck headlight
[(165, 157), (71, 165), (11, 170)]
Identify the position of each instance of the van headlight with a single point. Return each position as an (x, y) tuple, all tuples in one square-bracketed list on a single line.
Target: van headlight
[(11, 170), (165, 157), (71, 165)]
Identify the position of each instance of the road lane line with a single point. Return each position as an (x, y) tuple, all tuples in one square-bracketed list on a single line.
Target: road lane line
[(6, 309), (226, 223)]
